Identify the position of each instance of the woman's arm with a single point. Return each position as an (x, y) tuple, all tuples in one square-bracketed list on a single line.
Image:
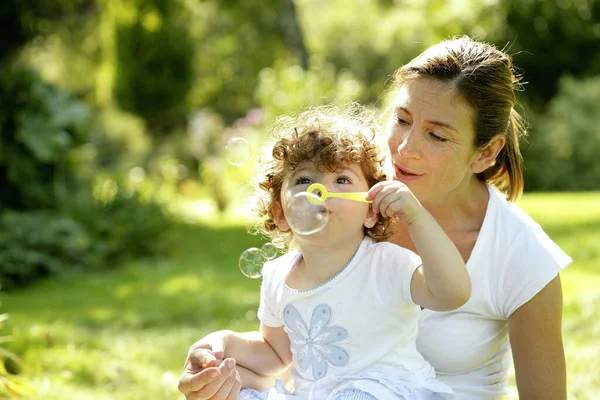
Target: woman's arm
[(535, 331)]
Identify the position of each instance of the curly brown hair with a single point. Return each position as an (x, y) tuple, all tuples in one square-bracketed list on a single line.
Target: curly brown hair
[(327, 136)]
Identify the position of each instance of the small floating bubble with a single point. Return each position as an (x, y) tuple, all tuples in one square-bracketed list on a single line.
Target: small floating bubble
[(270, 250), (238, 151), (251, 262)]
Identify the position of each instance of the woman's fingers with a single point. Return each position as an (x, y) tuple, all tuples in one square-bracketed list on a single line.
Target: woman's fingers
[(226, 389), (190, 382), (202, 358), (235, 390), (213, 387)]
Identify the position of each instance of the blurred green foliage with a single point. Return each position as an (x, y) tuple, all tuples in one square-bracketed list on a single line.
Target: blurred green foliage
[(112, 105), (50, 221), (25, 20), (550, 39), (39, 125), (565, 142), (11, 386), (37, 244), (153, 64)]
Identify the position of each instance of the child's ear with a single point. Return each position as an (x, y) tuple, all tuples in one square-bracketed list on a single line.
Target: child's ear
[(487, 157), (279, 216), (371, 218)]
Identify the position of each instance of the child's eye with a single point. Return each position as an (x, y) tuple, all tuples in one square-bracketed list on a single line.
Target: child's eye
[(303, 180), (437, 137), (343, 180)]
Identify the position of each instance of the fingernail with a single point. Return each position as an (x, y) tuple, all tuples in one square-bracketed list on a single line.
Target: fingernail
[(213, 374), (230, 363)]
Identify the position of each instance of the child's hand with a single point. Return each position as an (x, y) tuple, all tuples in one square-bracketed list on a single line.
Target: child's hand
[(393, 198)]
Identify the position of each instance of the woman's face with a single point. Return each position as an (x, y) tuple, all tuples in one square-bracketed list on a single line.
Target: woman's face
[(431, 139)]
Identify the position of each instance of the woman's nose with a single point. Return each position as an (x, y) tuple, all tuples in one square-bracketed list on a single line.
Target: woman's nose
[(407, 145)]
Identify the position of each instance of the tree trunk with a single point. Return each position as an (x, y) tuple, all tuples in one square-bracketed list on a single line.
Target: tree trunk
[(292, 33)]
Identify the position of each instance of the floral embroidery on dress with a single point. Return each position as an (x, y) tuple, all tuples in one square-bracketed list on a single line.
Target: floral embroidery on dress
[(313, 346)]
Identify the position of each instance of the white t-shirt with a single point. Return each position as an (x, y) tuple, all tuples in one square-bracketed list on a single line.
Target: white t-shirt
[(360, 323), (513, 259)]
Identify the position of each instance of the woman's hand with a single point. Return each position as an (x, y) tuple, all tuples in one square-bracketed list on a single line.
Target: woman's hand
[(206, 375), (200, 381), (393, 198)]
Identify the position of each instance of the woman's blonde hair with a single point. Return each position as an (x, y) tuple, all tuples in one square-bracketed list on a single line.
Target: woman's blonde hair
[(327, 136)]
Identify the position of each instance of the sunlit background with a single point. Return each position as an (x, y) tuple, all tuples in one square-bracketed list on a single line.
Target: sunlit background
[(122, 177)]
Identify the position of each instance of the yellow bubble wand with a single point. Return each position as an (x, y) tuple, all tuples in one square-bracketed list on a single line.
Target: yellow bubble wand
[(322, 193)]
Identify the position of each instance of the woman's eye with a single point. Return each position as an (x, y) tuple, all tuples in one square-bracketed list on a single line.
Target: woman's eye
[(401, 121), (437, 138)]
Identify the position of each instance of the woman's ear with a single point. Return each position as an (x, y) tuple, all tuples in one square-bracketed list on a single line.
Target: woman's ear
[(371, 218), (487, 157), (279, 216)]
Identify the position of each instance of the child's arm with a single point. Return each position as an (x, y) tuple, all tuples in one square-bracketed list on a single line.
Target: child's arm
[(267, 354), (254, 381), (442, 283)]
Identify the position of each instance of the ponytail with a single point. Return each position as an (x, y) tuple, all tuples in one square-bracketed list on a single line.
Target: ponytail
[(507, 172)]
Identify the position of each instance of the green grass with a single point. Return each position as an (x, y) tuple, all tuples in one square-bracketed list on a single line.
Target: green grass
[(573, 221), (124, 334)]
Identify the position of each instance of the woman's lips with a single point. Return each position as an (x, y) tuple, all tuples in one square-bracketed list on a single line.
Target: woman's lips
[(404, 175)]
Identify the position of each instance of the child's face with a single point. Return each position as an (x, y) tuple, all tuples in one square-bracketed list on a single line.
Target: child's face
[(346, 217)]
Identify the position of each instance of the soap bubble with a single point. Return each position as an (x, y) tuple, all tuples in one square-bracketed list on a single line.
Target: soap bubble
[(238, 151), (270, 250), (307, 213), (251, 262)]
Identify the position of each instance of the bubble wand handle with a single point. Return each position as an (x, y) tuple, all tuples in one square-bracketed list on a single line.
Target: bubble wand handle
[(321, 191)]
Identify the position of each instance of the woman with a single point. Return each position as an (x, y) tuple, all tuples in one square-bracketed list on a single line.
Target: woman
[(453, 138)]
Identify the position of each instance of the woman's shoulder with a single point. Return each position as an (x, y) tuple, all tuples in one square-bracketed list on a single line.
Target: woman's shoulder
[(509, 214), (513, 228), (516, 254), (515, 237)]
